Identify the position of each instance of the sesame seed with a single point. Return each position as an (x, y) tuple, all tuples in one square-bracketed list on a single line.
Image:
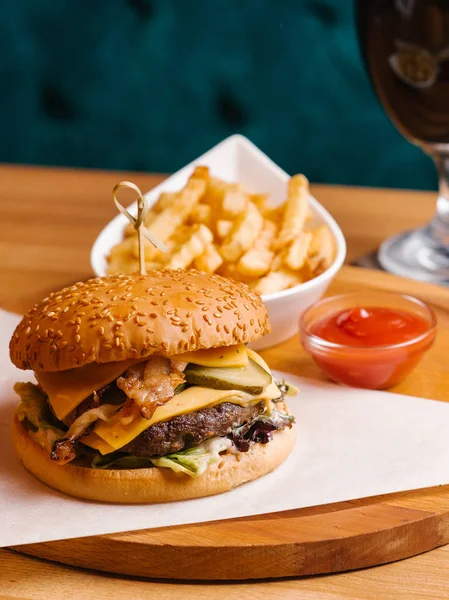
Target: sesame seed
[(77, 328), (153, 315), (165, 302), (70, 322), (218, 327), (117, 341), (226, 328), (200, 302), (207, 319), (101, 330), (217, 315), (189, 299), (77, 339)]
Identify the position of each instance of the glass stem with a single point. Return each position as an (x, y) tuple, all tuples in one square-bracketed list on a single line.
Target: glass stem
[(440, 223)]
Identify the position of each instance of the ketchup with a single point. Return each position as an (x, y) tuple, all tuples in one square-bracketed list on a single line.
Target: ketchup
[(370, 346), (370, 326)]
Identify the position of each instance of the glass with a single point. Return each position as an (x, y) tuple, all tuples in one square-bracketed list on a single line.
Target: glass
[(405, 45)]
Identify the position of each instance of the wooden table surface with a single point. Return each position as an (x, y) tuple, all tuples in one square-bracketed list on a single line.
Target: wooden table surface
[(48, 221)]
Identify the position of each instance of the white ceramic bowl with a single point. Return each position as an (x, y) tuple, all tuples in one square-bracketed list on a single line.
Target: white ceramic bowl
[(237, 159)]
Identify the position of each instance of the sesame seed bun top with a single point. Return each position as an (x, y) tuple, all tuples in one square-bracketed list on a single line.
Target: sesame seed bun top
[(119, 317)]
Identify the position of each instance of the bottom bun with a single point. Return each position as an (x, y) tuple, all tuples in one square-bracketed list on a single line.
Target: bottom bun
[(154, 484)]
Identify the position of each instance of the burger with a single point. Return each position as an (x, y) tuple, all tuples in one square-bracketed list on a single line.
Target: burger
[(146, 390)]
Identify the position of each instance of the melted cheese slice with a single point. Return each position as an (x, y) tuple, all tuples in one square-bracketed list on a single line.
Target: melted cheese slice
[(94, 441), (119, 431), (229, 356), (66, 389)]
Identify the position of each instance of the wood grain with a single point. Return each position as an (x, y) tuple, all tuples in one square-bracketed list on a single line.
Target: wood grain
[(40, 252), (316, 540)]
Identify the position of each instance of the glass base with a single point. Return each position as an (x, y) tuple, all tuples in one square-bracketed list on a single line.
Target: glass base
[(416, 254)]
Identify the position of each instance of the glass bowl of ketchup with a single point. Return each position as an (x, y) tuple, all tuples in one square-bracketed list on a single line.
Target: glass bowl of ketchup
[(368, 339)]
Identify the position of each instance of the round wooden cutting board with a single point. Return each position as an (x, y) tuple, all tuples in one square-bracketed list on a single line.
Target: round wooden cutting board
[(323, 539)]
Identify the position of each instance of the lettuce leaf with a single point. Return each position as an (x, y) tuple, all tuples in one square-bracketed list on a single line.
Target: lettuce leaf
[(34, 409), (121, 460), (193, 461)]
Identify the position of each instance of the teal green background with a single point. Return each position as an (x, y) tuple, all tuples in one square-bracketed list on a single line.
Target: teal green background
[(151, 84)]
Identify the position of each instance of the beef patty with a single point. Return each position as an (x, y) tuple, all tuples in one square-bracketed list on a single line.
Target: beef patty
[(191, 429)]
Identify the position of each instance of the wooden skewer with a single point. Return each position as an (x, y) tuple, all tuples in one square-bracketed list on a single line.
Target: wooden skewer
[(138, 222)]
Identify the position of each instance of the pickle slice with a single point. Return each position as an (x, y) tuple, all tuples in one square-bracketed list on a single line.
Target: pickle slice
[(252, 379)]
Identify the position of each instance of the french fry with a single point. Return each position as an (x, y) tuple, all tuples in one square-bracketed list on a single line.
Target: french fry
[(165, 223), (243, 234), (276, 281), (235, 202), (124, 263), (201, 213), (257, 260), (165, 200), (223, 228), (201, 172), (192, 248), (215, 191), (230, 270), (295, 212), (261, 201), (298, 250), (210, 260), (321, 249)]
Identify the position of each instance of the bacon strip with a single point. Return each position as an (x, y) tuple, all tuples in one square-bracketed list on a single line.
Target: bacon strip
[(152, 384)]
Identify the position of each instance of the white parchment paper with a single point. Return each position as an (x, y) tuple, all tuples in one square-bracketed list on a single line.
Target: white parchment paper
[(350, 444)]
